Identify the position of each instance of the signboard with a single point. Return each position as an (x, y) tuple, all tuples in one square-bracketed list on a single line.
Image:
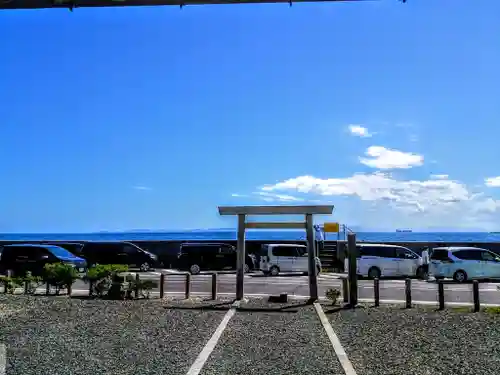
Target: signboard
[(331, 227)]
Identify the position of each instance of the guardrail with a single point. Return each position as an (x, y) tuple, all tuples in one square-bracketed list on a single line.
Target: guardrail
[(408, 293)]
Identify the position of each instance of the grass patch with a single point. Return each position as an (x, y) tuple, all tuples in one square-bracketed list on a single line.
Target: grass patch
[(492, 310)]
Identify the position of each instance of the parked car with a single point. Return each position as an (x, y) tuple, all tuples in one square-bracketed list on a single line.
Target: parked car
[(195, 257), (464, 263), (276, 258), (21, 258), (117, 252), (380, 260)]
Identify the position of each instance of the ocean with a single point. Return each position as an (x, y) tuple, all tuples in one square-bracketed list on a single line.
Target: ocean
[(225, 235)]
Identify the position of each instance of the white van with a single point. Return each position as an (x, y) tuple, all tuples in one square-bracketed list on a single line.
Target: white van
[(276, 258), (464, 263), (379, 260)]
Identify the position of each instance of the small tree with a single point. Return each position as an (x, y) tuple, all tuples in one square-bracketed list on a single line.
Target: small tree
[(101, 277), (60, 275)]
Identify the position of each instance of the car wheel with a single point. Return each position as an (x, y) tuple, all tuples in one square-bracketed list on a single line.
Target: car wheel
[(145, 267), (460, 276), (374, 273), (246, 268), (274, 271), (194, 269)]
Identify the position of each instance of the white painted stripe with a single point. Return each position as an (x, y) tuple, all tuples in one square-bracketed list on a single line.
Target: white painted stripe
[(337, 346), (200, 361), (3, 359)]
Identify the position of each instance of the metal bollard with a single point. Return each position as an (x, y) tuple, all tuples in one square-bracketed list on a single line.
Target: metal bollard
[(376, 291), (214, 286), (441, 294), (91, 287), (408, 293), (188, 285), (70, 289), (345, 290), (475, 295), (47, 289), (162, 285), (137, 281), (26, 286)]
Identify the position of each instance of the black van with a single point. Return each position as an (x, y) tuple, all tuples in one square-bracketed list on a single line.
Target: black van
[(195, 257), (21, 258), (117, 252)]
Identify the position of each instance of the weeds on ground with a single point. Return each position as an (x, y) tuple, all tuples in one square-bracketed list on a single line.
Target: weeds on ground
[(333, 295)]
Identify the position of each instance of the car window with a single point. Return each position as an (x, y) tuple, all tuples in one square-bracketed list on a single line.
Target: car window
[(468, 254), (55, 250), (378, 251), (403, 253), (284, 251), (487, 256), (439, 254), (301, 251), (226, 250)]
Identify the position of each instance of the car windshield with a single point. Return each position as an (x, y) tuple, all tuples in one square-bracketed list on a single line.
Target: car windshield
[(60, 252)]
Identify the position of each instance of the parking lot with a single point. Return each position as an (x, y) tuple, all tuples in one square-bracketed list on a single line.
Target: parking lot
[(69, 336)]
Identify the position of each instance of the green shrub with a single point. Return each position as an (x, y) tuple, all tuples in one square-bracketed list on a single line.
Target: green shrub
[(10, 284), (29, 282), (103, 276), (333, 295), (60, 275), (102, 271)]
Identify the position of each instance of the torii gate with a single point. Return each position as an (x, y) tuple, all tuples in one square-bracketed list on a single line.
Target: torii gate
[(307, 224)]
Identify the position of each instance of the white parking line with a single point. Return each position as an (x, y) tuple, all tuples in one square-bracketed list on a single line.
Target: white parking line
[(337, 346), (210, 345)]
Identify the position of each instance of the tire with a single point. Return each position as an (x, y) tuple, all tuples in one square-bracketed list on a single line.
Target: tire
[(274, 271), (460, 276), (194, 269), (374, 273), (145, 267)]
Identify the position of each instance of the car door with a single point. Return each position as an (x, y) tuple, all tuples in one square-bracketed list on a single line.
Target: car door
[(491, 264), (407, 262), (285, 256), (301, 260), (387, 260), (470, 261)]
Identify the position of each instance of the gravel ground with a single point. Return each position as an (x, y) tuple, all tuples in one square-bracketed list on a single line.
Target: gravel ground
[(264, 342), (76, 336), (396, 341)]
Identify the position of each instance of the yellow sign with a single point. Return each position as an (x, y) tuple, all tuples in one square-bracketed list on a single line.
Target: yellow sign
[(331, 227)]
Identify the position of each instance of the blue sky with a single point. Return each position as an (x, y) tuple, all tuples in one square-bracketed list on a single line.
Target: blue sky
[(128, 118)]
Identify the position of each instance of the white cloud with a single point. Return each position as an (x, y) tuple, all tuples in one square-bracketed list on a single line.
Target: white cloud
[(492, 181), (439, 176), (433, 196), (383, 158), (359, 131), (272, 197), (142, 188)]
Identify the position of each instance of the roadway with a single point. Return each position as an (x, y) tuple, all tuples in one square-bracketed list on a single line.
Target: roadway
[(297, 285)]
